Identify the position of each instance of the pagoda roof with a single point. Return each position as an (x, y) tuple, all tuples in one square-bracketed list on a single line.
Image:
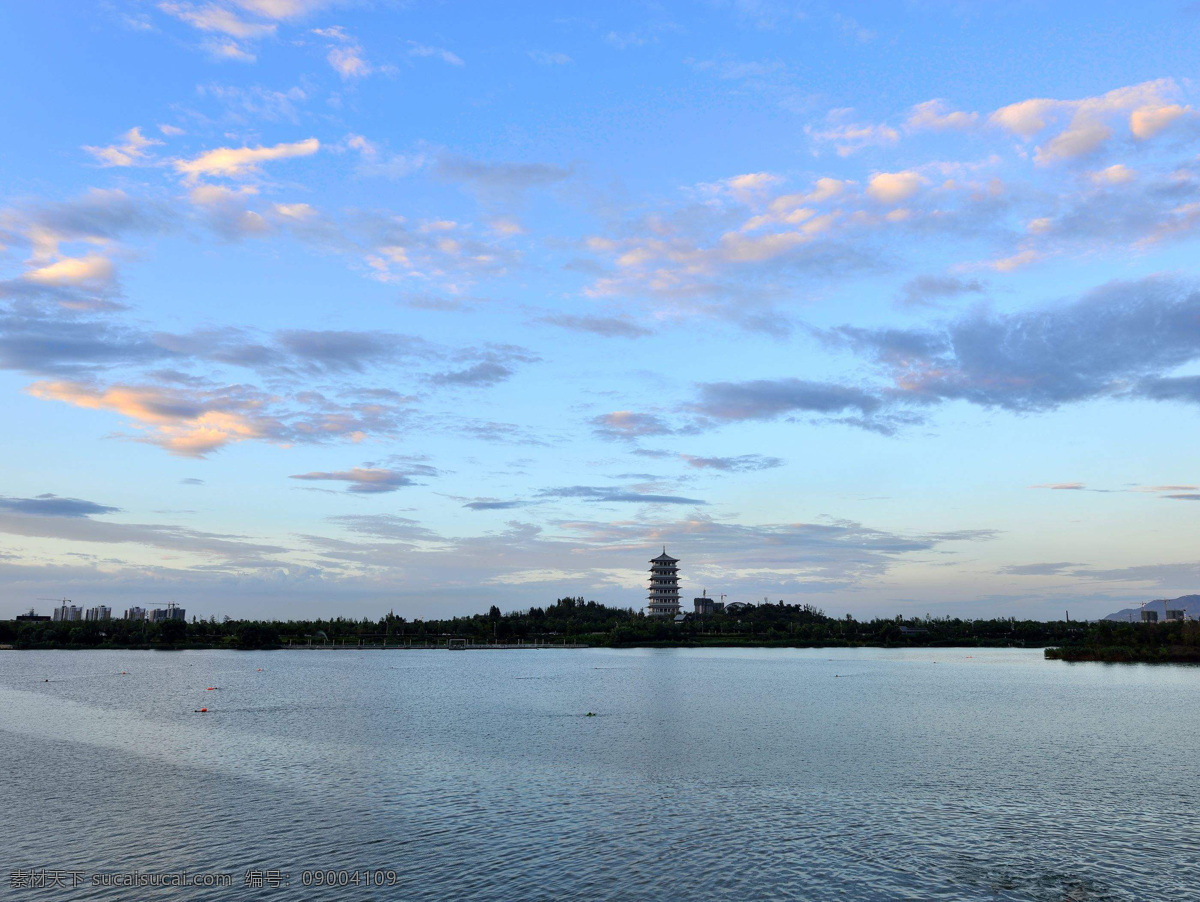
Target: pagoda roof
[(664, 558)]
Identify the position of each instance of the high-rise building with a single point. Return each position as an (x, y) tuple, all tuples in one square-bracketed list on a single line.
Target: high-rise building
[(664, 586), (170, 612), (67, 611), (99, 612), (706, 607), (135, 613)]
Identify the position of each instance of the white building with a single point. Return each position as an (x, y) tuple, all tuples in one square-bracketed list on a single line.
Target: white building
[(170, 612), (664, 586), (99, 612), (67, 611)]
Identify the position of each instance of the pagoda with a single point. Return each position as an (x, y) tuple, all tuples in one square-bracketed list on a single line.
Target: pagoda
[(664, 586)]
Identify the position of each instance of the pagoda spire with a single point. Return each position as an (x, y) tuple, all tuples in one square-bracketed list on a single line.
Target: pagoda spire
[(663, 600)]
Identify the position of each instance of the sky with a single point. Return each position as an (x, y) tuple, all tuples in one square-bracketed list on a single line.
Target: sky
[(317, 308)]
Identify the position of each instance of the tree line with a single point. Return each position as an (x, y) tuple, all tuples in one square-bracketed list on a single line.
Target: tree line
[(574, 620)]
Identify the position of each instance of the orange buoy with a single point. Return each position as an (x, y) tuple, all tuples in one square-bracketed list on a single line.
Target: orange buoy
[(204, 710)]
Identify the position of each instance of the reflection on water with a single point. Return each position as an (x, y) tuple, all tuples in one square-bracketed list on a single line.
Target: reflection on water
[(731, 774)]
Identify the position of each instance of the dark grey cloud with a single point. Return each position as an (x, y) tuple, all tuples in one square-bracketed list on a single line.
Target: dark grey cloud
[(1176, 578), (33, 297), (628, 425), (1047, 569), (191, 480), (616, 495), (964, 535), (99, 213), (68, 345), (493, 505), (1118, 340), (930, 289), (765, 399), (1121, 340), (890, 346), (230, 550), (483, 374), (363, 480), (502, 177), (54, 506), (1174, 388), (494, 363), (1154, 208), (606, 326), (743, 463), (810, 557), (346, 351), (448, 304), (385, 526), (494, 431)]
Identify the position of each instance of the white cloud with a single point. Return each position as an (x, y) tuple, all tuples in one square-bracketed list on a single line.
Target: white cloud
[(1026, 118), (848, 139), (180, 425), (742, 249), (237, 161), (1016, 261), (894, 187), (440, 53), (282, 9), (294, 212), (213, 18), (229, 50), (933, 114), (1147, 122), (346, 55), (130, 151), (91, 269), (744, 187), (348, 61), (210, 195), (1080, 140), (368, 148), (1117, 174), (1147, 106), (546, 58), (506, 227)]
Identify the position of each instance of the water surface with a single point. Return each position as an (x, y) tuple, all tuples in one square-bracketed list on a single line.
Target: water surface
[(867, 774)]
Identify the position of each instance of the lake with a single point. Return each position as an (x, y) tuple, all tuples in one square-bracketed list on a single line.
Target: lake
[(857, 774)]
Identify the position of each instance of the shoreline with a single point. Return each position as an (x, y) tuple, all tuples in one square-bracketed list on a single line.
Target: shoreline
[(502, 647)]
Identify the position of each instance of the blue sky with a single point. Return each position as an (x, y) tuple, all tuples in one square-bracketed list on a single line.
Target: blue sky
[(315, 308)]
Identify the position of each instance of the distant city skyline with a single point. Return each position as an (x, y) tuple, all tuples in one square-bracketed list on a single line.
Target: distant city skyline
[(319, 307)]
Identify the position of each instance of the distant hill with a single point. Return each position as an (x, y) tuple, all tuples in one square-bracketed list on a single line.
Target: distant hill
[(1188, 603)]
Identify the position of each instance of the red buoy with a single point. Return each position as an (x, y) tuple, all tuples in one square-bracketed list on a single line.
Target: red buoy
[(204, 710)]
